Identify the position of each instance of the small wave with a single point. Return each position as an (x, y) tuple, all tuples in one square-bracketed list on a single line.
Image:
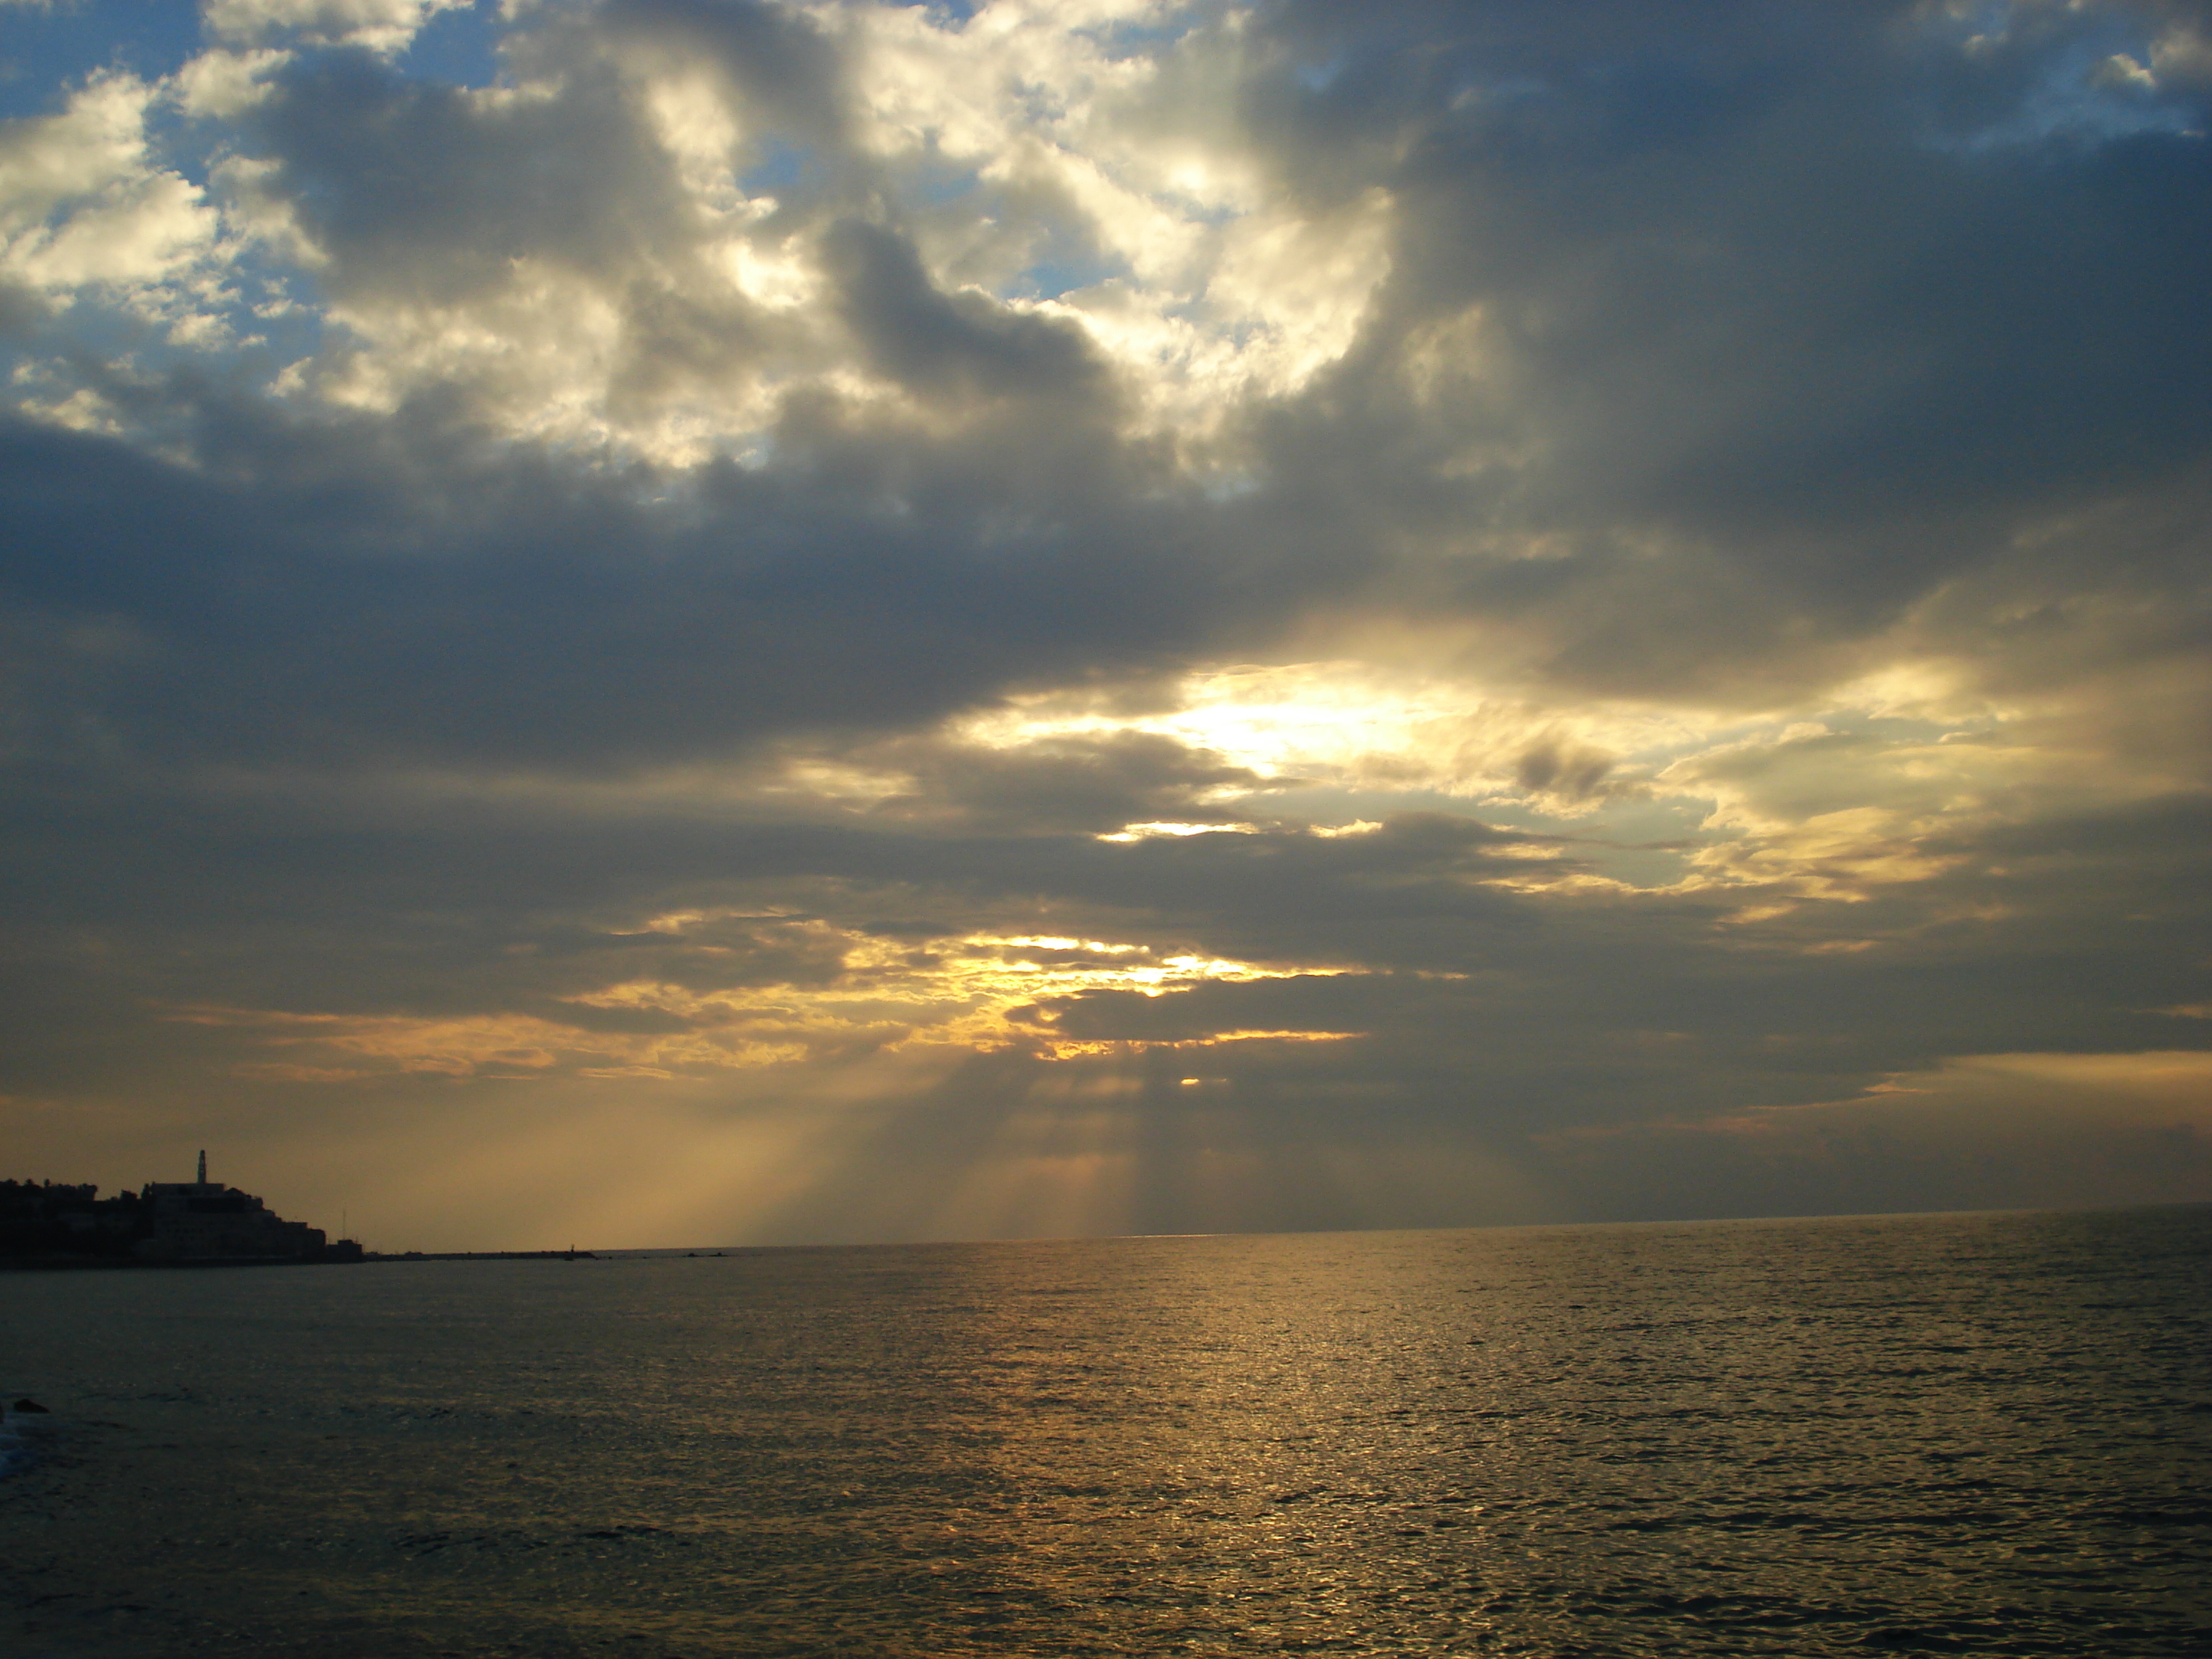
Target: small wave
[(15, 1447)]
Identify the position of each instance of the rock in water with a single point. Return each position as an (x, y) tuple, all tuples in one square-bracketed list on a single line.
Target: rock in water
[(28, 1406)]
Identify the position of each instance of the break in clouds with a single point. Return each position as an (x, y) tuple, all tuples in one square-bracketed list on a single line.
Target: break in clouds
[(681, 621)]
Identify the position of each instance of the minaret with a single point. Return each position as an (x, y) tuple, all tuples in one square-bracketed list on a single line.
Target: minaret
[(203, 1167)]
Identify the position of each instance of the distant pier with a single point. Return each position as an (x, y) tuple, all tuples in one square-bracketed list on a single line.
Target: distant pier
[(571, 1255)]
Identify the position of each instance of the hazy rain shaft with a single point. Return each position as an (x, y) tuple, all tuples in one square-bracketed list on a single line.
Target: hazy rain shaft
[(733, 623)]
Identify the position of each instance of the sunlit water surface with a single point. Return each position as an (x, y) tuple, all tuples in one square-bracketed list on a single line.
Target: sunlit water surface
[(1976, 1434)]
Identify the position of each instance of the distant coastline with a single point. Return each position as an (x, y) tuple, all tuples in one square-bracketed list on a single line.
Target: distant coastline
[(481, 1256), (52, 1226), (65, 1262), (173, 1224)]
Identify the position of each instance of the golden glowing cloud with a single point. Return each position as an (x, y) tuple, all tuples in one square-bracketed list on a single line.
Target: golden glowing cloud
[(968, 994)]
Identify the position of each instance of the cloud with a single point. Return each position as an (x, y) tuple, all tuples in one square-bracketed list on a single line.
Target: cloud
[(1161, 615), (383, 26), (1080, 781), (84, 204), (934, 344)]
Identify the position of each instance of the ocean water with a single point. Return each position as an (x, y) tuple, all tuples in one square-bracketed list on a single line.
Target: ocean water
[(1986, 1434)]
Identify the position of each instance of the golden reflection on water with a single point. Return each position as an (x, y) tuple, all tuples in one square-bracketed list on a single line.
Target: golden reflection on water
[(1804, 1439)]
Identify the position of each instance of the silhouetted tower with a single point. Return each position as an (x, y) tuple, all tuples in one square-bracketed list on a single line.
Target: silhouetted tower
[(203, 1167)]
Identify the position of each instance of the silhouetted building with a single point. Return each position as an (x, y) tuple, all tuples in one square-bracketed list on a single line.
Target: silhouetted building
[(40, 1218), (203, 1221), (56, 1224)]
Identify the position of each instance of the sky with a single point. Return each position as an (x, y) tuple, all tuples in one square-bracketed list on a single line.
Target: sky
[(687, 621)]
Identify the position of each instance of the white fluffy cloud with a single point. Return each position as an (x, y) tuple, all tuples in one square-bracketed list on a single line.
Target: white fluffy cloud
[(383, 26), (85, 204)]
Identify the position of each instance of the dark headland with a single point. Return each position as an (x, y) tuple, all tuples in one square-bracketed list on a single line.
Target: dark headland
[(174, 1224), (182, 1223)]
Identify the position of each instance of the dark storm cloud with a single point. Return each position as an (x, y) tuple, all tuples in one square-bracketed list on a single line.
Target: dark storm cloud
[(1097, 783), (1811, 291), (1744, 292), (935, 345), (1573, 770), (775, 62), (421, 189), (358, 592), (420, 193)]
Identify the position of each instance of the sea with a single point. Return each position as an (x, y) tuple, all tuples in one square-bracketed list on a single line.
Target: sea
[(1934, 1434)]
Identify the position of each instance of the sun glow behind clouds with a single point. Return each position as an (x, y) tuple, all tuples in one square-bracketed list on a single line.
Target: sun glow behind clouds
[(1839, 795), (1343, 721), (1364, 733), (1146, 831), (856, 996)]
